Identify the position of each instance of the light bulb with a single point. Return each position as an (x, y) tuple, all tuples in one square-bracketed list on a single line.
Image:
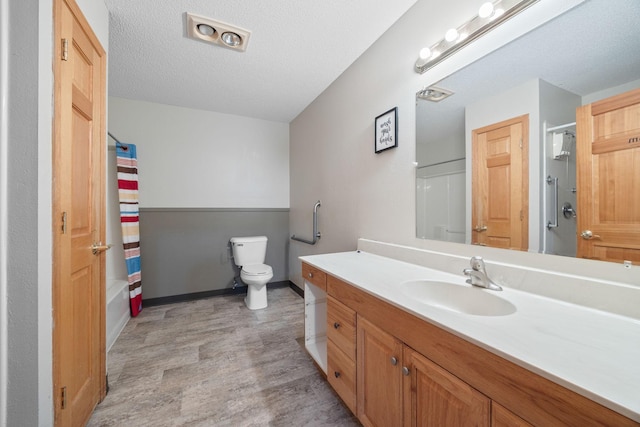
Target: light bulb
[(231, 39), (425, 53), (205, 30), (451, 35), (498, 13), (485, 10)]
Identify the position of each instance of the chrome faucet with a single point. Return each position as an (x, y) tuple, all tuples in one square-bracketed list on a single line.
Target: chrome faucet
[(478, 275)]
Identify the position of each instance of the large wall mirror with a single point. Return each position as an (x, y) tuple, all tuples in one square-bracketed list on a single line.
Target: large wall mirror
[(537, 81)]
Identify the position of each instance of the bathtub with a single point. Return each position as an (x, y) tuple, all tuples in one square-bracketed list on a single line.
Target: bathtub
[(118, 312)]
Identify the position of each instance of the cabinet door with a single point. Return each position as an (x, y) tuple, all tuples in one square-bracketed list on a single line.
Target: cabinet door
[(379, 376), (435, 397), (502, 417)]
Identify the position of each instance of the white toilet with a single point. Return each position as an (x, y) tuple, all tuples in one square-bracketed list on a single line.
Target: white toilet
[(249, 254)]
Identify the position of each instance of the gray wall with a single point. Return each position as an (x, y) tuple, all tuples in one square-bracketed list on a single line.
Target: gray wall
[(22, 273), (186, 250), (557, 107)]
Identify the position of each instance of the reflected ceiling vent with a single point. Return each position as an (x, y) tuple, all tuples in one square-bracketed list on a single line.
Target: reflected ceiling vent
[(216, 32), (434, 94)]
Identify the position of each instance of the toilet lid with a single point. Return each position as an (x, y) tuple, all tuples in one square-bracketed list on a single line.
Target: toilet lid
[(257, 269)]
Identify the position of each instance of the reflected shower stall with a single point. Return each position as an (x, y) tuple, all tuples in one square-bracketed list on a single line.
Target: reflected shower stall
[(440, 201), (560, 190)]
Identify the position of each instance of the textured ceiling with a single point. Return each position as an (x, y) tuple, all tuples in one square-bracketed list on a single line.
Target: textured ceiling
[(297, 48)]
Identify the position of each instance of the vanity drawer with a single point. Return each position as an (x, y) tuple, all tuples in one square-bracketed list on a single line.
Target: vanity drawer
[(341, 326), (341, 374), (314, 276)]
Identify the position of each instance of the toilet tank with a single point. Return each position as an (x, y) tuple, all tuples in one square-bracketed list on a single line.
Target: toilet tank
[(249, 250)]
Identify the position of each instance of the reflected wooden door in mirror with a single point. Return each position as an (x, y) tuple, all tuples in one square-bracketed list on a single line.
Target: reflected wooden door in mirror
[(608, 178), (500, 184)]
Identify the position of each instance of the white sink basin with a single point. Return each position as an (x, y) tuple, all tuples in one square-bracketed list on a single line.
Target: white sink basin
[(465, 299)]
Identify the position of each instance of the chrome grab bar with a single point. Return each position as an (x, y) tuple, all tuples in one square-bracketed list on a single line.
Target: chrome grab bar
[(554, 224), (316, 233)]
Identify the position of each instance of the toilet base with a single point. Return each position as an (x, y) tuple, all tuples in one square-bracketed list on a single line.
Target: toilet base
[(256, 298)]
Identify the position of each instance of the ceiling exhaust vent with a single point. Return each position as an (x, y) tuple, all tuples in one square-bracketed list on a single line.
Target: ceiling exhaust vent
[(434, 94), (216, 32)]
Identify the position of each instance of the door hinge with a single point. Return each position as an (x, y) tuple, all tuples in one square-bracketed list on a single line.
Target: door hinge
[(64, 223), (63, 398), (521, 143), (521, 215), (65, 50)]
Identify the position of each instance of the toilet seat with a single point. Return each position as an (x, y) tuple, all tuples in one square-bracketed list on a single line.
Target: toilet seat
[(257, 270)]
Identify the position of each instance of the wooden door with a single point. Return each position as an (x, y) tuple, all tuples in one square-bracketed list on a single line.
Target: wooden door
[(435, 397), (378, 376), (500, 185), (78, 218), (608, 167)]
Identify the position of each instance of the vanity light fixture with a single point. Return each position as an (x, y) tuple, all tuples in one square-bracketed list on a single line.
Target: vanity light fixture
[(490, 15), (217, 32), (434, 94)]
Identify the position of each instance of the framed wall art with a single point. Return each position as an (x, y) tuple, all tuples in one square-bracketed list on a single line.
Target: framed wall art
[(386, 130)]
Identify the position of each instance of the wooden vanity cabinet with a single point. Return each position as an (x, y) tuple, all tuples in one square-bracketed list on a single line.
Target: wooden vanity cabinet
[(410, 372)]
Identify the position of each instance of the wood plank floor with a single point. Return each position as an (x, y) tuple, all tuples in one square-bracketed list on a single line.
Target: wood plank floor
[(213, 362)]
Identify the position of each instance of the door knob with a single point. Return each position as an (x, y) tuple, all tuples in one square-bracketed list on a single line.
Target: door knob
[(97, 248), (480, 228), (588, 235), (394, 361)]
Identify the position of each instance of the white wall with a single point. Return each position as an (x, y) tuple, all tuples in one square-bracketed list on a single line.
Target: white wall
[(612, 91), (202, 159), (332, 156)]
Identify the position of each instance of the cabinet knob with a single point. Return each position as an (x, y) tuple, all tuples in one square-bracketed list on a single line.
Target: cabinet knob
[(405, 371), (394, 361), (336, 325), (310, 275), (336, 374)]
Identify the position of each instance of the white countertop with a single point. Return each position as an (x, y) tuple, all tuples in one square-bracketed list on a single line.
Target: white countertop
[(594, 353)]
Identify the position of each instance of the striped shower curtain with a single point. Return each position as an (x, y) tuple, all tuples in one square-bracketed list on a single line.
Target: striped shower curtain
[(127, 163)]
